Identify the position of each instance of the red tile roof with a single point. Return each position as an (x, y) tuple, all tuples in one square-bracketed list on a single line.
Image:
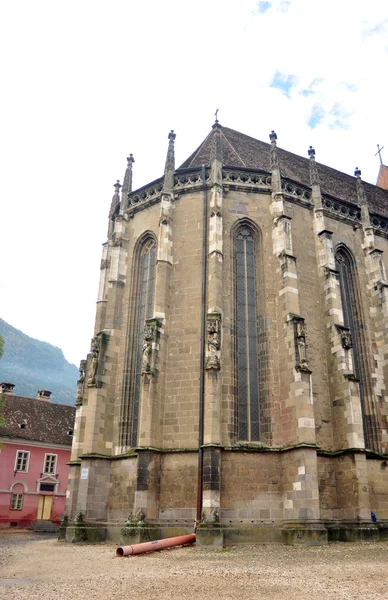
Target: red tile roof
[(382, 179)]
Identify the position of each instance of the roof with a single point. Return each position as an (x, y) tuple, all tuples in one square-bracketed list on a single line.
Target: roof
[(44, 422), (382, 179), (241, 150)]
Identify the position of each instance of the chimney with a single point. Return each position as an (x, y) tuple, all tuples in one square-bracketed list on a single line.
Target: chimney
[(382, 179), (6, 388), (44, 395)]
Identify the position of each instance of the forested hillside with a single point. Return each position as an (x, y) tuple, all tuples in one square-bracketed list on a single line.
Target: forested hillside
[(33, 365)]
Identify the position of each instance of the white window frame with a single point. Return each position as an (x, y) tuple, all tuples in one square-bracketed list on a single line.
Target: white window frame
[(16, 500), (55, 464), (16, 470)]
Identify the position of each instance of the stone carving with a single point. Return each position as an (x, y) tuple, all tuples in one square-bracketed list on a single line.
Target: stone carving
[(148, 359), (95, 351), (104, 263), (274, 155), (213, 341), (114, 208), (81, 382), (302, 362), (314, 177), (346, 339)]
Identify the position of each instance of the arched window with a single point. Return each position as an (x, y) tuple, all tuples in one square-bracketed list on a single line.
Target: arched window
[(351, 307), (142, 309), (248, 417)]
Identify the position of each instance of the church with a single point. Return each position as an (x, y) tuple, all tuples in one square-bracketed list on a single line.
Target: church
[(236, 381)]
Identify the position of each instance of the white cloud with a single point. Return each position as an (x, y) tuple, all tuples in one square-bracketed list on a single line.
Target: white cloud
[(85, 83)]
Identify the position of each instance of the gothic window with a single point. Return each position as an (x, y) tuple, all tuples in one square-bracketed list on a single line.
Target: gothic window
[(248, 427), (351, 309), (144, 306)]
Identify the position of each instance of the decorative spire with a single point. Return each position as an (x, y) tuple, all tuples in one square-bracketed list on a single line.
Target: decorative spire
[(314, 176), (361, 198), (216, 124), (114, 207), (216, 150), (170, 164), (274, 153), (116, 199), (216, 155), (127, 183)]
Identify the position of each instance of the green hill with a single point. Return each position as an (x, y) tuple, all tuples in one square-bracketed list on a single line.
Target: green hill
[(33, 365)]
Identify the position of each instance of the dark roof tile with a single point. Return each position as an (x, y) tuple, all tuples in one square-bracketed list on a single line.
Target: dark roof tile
[(242, 150), (44, 421)]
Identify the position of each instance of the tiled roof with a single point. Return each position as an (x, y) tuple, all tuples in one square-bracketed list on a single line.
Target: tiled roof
[(44, 421), (382, 179), (240, 150)]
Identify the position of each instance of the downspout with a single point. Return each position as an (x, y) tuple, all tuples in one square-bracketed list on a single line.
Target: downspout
[(202, 354)]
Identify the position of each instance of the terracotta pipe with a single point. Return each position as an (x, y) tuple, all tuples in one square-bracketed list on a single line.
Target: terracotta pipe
[(180, 540)]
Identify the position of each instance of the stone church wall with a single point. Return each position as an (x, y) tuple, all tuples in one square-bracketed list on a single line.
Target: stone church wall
[(307, 467)]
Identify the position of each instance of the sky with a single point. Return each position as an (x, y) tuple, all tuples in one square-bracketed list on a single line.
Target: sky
[(85, 83)]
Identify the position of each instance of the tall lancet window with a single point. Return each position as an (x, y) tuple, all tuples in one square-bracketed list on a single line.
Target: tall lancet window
[(143, 304), (351, 307), (248, 426)]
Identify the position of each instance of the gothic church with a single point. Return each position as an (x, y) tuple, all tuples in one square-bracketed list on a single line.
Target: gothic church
[(237, 376)]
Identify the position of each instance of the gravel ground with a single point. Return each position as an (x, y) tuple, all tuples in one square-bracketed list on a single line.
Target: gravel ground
[(36, 567)]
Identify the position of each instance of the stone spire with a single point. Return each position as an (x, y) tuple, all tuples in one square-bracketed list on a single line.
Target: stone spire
[(314, 176), (127, 183), (274, 152), (365, 216), (274, 165), (361, 198), (114, 207), (170, 164), (216, 155)]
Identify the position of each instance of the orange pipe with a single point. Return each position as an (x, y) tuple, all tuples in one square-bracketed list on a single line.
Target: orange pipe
[(180, 540)]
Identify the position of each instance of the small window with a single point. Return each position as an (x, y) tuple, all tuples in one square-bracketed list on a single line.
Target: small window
[(16, 502), (22, 425), (50, 463), (70, 432), (22, 461), (47, 487)]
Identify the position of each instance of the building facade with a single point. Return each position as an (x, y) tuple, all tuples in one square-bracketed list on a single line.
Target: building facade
[(237, 375), (35, 445)]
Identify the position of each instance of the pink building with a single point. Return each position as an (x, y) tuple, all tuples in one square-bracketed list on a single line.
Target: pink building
[(35, 448)]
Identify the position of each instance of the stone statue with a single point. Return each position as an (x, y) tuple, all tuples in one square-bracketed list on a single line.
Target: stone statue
[(146, 357), (346, 339), (81, 381), (213, 342), (95, 350), (301, 346)]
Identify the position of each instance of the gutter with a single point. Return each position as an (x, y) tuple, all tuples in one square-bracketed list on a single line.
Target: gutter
[(202, 354)]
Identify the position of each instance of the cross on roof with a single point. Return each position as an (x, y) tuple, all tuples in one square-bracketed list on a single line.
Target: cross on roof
[(379, 153), (216, 115)]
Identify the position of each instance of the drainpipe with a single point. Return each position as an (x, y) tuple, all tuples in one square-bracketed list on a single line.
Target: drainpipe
[(202, 353)]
